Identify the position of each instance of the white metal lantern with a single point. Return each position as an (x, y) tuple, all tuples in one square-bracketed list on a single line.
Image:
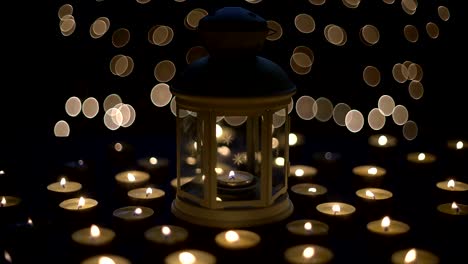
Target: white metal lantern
[(232, 128)]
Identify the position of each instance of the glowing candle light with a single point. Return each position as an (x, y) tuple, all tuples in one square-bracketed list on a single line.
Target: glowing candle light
[(106, 260), (30, 222), (231, 236), (63, 182), (336, 208), (308, 252), (292, 139), (299, 172), (232, 175), (137, 211), (94, 231), (168, 235), (312, 190), (131, 177), (382, 140), (459, 145), (3, 202), (187, 258), (370, 194), (455, 207), (421, 156), (451, 184), (308, 226), (279, 161), (166, 231), (153, 161), (372, 171), (81, 202), (385, 223), (410, 256)]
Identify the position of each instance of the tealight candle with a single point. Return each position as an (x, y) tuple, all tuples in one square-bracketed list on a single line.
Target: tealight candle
[(369, 171), (308, 253), (148, 195), (336, 209), (237, 239), (453, 208), (382, 141), (64, 186), (93, 236), (133, 178), (9, 201), (78, 204), (457, 144), (235, 179), (133, 213), (388, 227), (309, 189), (414, 256), (306, 227), (106, 259), (166, 234), (452, 185), (301, 173), (190, 256), (374, 194), (421, 157)]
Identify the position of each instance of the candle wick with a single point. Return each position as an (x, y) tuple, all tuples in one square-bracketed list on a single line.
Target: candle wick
[(147, 195), (385, 229), (334, 212), (457, 210)]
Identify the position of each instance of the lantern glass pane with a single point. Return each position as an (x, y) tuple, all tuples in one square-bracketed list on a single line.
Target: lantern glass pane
[(280, 138)]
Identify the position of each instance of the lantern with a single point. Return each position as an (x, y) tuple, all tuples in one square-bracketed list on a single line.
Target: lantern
[(232, 128)]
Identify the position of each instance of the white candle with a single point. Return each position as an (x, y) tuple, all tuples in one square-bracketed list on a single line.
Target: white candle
[(133, 177), (306, 227), (190, 256), (421, 157), (133, 213), (414, 256), (166, 234), (93, 236), (237, 239), (235, 179), (64, 186), (78, 204), (308, 253), (374, 194)]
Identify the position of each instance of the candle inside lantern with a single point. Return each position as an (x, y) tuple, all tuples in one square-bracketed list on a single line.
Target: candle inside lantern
[(309, 189), (64, 186), (93, 236), (146, 194), (308, 253), (456, 144), (190, 256), (133, 213), (374, 194), (302, 171), (237, 239), (421, 157), (386, 226), (414, 256), (235, 179)]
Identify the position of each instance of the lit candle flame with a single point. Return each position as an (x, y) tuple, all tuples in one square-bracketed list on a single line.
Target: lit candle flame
[(279, 161), (203, 177), (3, 202), (370, 194), (299, 172), (421, 156), (336, 208), (81, 202), (372, 171), (187, 258), (149, 191), (218, 199), (382, 140), (410, 256), (94, 231), (166, 231), (153, 161), (459, 145), (30, 222), (232, 175), (106, 260), (219, 170), (219, 131), (312, 190), (131, 177), (63, 182), (385, 224), (7, 256), (308, 226), (451, 184), (231, 236), (2, 172), (308, 252), (455, 207), (292, 139), (138, 211)]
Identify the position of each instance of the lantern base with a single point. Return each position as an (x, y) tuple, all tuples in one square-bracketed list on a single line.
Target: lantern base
[(232, 218)]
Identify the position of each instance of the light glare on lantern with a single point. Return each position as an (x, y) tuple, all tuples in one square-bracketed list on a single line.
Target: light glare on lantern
[(279, 161), (308, 252), (308, 226), (94, 231), (410, 256), (385, 222), (421, 156), (106, 260), (118, 147), (166, 230), (382, 140), (231, 236), (459, 145), (372, 171), (336, 208), (370, 194), (299, 172), (187, 258), (131, 177), (451, 184)]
